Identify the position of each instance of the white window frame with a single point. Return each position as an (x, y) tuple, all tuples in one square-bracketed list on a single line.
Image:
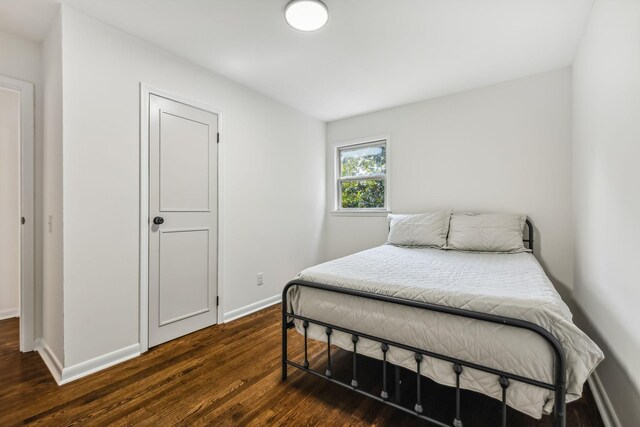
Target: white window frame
[(337, 189)]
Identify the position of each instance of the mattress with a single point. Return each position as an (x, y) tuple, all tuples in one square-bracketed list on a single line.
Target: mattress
[(511, 285)]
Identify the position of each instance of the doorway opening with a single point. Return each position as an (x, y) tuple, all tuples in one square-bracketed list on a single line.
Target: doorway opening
[(17, 293)]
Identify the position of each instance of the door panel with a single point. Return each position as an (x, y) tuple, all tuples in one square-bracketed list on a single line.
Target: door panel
[(183, 192), (184, 274), (184, 164)]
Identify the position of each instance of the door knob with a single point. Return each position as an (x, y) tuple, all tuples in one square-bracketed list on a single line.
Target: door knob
[(158, 220)]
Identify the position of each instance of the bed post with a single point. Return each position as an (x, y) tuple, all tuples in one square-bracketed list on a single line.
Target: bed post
[(560, 412), (284, 332), (529, 238), (560, 398)]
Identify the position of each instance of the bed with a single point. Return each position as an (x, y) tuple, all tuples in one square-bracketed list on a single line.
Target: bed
[(487, 322)]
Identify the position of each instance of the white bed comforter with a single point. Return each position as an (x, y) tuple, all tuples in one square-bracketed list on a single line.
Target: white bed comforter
[(512, 285)]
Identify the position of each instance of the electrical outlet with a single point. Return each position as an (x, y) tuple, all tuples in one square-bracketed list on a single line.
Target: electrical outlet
[(260, 279), (50, 223)]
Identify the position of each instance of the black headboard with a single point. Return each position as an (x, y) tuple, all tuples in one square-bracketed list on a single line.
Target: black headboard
[(529, 237)]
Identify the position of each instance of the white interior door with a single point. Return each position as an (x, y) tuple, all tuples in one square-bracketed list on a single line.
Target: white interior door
[(183, 159)]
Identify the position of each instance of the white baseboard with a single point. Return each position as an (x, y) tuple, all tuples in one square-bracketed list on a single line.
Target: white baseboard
[(8, 313), (71, 373), (603, 403), (99, 363), (65, 375), (251, 308), (50, 359)]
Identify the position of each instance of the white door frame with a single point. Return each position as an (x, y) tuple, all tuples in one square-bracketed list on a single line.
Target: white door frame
[(27, 202), (145, 92)]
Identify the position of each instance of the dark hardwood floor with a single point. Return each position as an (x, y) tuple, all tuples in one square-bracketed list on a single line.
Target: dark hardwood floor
[(226, 375)]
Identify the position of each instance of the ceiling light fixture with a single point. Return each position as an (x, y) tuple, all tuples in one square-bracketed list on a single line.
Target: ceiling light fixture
[(306, 15)]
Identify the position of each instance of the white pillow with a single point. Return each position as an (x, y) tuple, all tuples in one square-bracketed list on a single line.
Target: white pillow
[(478, 232), (428, 229)]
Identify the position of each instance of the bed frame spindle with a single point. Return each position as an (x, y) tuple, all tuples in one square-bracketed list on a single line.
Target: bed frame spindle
[(354, 381), (504, 383), (328, 371), (457, 421), (418, 407), (384, 394)]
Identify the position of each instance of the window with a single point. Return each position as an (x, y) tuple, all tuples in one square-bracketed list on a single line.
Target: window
[(361, 176)]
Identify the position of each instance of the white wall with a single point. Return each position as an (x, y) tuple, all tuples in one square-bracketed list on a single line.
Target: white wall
[(502, 148), (52, 278), (22, 59), (606, 179), (272, 183), (9, 202)]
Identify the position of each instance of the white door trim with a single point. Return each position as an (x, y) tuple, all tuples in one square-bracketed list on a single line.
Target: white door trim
[(27, 202), (145, 91)]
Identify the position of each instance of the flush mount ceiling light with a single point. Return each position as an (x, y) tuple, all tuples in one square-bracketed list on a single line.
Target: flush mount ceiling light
[(306, 15)]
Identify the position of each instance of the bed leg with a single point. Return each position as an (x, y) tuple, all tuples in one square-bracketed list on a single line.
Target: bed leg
[(398, 382), (560, 411), (560, 403), (284, 340)]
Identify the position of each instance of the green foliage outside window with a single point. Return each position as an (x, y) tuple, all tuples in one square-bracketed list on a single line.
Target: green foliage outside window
[(370, 164), (363, 194)]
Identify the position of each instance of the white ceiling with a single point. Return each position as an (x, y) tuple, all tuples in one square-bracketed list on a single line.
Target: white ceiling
[(372, 54), (29, 19)]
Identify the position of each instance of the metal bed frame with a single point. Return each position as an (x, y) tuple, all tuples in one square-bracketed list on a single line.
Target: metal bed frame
[(504, 378)]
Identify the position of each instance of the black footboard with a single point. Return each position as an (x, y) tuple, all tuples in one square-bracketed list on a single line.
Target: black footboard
[(457, 366)]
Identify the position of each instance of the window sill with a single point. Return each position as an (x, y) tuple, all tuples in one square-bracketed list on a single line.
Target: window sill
[(356, 212)]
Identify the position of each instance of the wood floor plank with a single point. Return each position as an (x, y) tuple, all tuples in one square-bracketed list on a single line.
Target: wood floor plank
[(226, 375)]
